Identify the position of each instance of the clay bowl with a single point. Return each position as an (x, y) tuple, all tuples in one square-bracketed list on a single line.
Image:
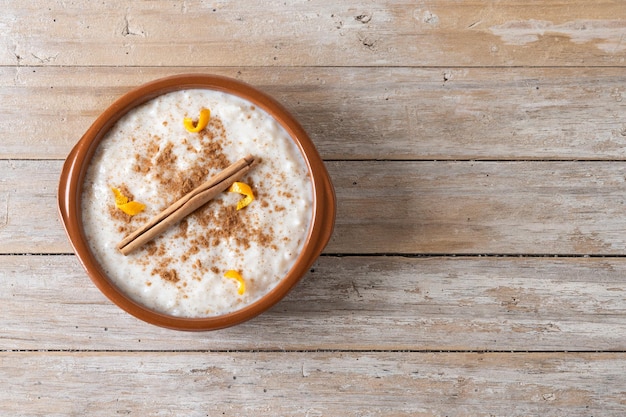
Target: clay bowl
[(75, 167)]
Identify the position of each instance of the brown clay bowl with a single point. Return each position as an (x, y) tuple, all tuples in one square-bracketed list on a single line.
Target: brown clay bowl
[(75, 167)]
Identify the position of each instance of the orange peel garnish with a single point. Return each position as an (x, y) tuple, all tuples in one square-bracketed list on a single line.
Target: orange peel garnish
[(129, 207), (203, 121), (232, 274), (243, 189)]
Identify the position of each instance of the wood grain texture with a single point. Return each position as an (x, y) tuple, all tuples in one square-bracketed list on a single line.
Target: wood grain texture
[(478, 151), (479, 207), (358, 113), (313, 384), (429, 207), (346, 304), (320, 33)]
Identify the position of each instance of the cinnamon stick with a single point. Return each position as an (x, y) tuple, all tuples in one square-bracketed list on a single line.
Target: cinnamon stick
[(186, 205)]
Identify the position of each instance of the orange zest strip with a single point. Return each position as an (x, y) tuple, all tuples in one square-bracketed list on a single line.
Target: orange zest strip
[(245, 190), (203, 121), (129, 207), (232, 274), (119, 197)]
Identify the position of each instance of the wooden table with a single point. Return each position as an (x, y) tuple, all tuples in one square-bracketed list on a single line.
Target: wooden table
[(478, 264)]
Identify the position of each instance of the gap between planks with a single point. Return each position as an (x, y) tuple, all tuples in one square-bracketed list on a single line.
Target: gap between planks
[(286, 351)]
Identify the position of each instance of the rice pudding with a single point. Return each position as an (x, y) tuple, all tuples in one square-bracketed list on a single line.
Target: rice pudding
[(150, 157)]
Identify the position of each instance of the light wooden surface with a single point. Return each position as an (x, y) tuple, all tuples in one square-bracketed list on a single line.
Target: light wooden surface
[(478, 265)]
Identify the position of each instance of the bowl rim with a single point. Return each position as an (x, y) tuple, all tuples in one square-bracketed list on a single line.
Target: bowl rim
[(75, 166)]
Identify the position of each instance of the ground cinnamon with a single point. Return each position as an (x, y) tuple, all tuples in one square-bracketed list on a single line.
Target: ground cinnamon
[(186, 205)]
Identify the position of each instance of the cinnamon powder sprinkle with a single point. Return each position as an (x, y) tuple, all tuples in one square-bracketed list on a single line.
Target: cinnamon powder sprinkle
[(150, 248), (166, 156), (169, 275), (182, 227), (218, 222)]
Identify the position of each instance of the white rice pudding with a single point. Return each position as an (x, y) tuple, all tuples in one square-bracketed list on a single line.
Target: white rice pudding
[(153, 159)]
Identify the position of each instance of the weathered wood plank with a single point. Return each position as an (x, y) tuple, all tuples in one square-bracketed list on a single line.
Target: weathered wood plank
[(29, 221), (298, 33), (479, 207), (358, 113), (347, 303), (313, 384), (402, 207)]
